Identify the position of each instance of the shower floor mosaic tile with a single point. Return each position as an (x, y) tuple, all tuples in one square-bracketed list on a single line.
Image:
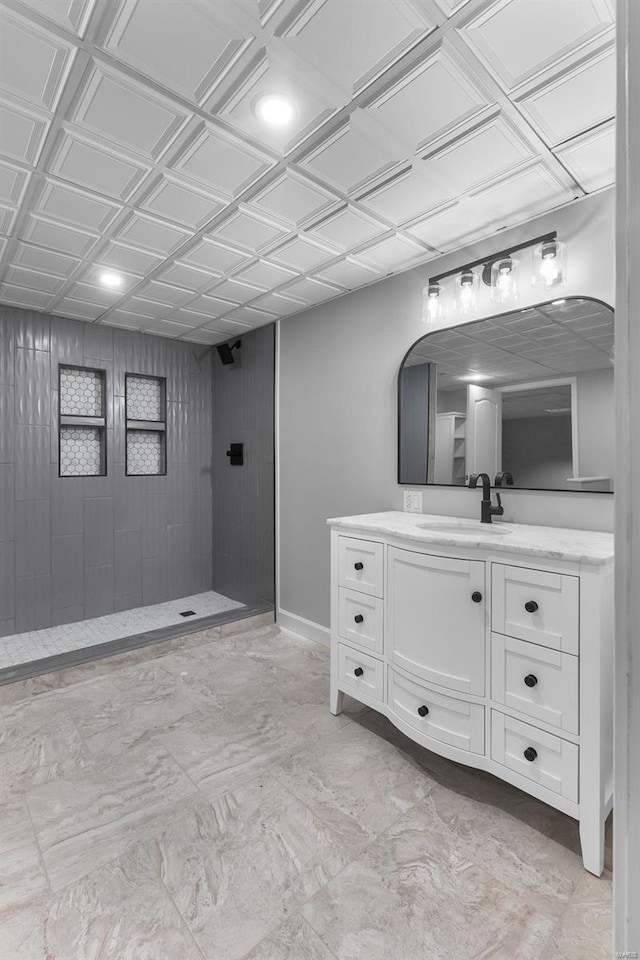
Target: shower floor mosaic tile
[(205, 805), (37, 644)]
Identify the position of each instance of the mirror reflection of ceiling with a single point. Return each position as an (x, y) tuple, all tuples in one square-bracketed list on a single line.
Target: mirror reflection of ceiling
[(551, 401), (129, 141), (536, 343)]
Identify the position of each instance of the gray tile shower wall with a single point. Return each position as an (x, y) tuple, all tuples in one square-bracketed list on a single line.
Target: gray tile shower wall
[(243, 504), (77, 547)]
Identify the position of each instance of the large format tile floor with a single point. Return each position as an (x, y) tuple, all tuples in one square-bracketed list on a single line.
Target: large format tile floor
[(204, 804)]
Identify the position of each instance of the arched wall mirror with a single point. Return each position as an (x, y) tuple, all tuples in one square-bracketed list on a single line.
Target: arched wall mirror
[(526, 397)]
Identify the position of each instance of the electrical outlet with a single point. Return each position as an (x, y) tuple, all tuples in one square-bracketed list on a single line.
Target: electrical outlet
[(412, 501)]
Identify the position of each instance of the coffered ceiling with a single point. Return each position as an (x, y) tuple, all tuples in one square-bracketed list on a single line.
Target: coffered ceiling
[(129, 141)]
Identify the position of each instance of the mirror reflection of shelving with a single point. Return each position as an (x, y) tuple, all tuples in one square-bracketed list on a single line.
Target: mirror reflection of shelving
[(451, 448), (146, 415)]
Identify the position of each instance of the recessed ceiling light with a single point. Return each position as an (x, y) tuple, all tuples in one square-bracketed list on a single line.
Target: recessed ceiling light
[(275, 109), (110, 279)]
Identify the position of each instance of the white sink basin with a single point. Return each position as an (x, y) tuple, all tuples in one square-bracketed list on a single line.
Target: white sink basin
[(466, 527)]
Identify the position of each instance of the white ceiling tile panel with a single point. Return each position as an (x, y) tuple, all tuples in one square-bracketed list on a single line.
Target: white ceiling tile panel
[(591, 158), (411, 193), (520, 196), (330, 35), (123, 257), (348, 273), (77, 309), (294, 199), (214, 257), (449, 7), (247, 230), (101, 297), (235, 291), (55, 236), (45, 261), (220, 162), (348, 228), (165, 328), (311, 291), (128, 113), (229, 327), (200, 335), (181, 203), (13, 183), (71, 14), (302, 254), (92, 274), (183, 275), (34, 63), (577, 100), (24, 296), (164, 293), (59, 201), (451, 227), (152, 235), (354, 156), (185, 48), (252, 315), (394, 253), (434, 99), (272, 73), (22, 132), (145, 309), (517, 39), (210, 306), (88, 164), (265, 275), (34, 279), (122, 319), (278, 304)]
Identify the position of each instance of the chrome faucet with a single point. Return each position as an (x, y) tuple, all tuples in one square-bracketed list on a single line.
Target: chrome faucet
[(487, 508)]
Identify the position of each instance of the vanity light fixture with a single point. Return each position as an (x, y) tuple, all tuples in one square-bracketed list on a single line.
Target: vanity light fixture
[(432, 308), (110, 279), (505, 285), (274, 109), (550, 263), (467, 292)]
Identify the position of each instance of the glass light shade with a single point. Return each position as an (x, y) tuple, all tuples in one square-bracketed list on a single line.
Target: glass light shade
[(432, 307), (550, 263), (467, 292), (505, 280)]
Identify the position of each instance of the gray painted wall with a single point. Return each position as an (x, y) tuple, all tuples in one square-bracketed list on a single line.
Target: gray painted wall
[(243, 511), (537, 451), (72, 548), (338, 404)]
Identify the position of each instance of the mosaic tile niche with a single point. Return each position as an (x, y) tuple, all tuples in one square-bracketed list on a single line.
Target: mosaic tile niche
[(80, 452), (81, 392), (145, 398), (145, 453), (145, 403), (82, 445)]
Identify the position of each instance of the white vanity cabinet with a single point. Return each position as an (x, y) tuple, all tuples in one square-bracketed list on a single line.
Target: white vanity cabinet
[(495, 651)]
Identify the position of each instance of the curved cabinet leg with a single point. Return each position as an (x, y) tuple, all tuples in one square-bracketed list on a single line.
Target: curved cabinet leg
[(592, 839), (336, 699)]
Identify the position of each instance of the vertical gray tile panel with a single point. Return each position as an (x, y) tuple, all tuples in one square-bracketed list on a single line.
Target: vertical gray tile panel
[(181, 560), (32, 329), (154, 525), (32, 462), (66, 344), (33, 538), (67, 572), (98, 532), (7, 508), (128, 564), (7, 423), (7, 345), (33, 603), (33, 387), (7, 581), (7, 628), (127, 501), (155, 580), (68, 615), (177, 432), (67, 504), (97, 342), (98, 591)]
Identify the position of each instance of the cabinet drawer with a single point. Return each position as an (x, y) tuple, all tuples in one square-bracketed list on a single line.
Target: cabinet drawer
[(537, 681), (360, 619), (536, 606), (437, 715), (359, 673), (361, 565), (536, 755)]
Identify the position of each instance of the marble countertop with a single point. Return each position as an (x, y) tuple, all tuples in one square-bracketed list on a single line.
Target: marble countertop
[(557, 543)]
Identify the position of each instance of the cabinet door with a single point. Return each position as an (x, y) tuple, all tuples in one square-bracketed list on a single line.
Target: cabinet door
[(436, 630)]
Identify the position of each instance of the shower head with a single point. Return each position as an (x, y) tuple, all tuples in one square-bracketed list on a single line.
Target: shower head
[(225, 351)]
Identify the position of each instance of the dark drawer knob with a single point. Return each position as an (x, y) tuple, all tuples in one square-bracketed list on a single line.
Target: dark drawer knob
[(358, 566), (358, 672), (423, 711), (476, 596), (530, 754), (358, 618), (531, 606), (531, 679)]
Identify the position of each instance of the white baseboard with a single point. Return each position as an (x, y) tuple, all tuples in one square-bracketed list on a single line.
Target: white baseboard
[(306, 628)]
